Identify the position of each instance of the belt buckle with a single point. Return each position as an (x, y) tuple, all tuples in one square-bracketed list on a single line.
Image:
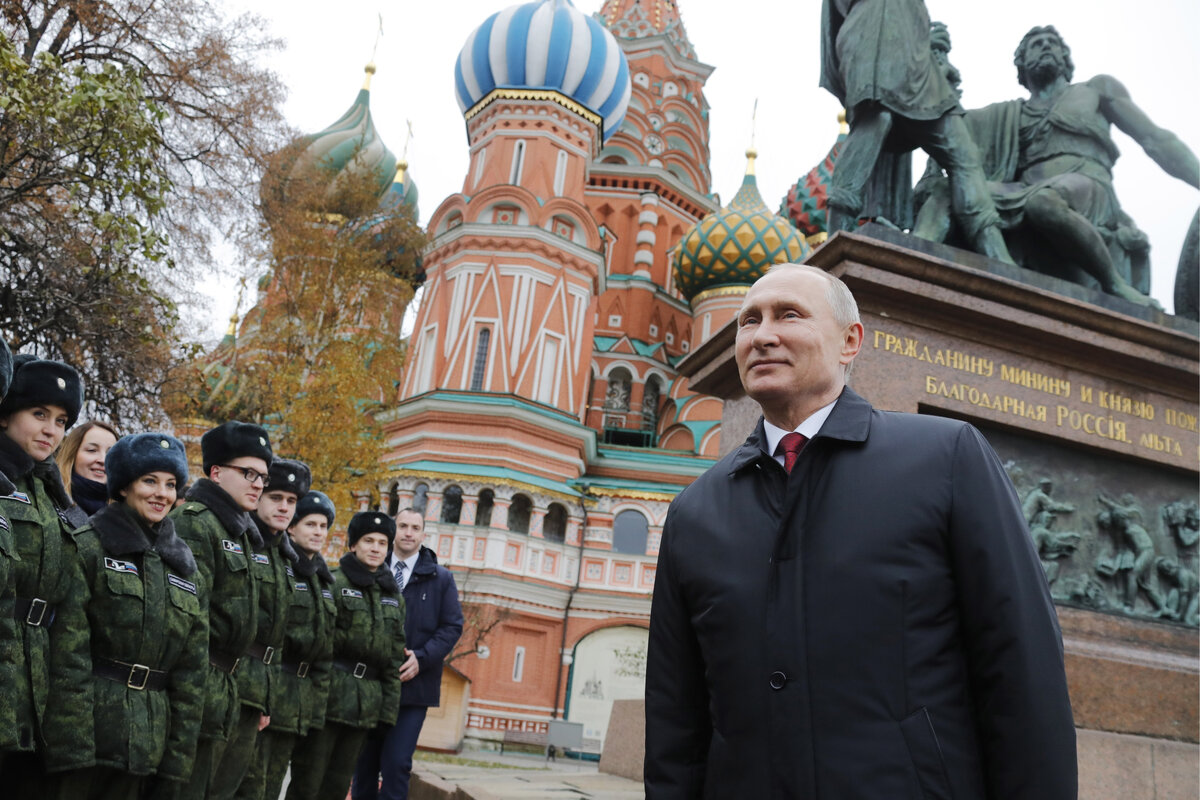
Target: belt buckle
[(302, 670), (360, 669), (38, 605), (268, 654), (135, 670)]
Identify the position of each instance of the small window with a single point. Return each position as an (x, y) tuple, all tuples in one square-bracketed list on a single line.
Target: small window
[(518, 514), (518, 163), (670, 89), (685, 345), (452, 504), (614, 320), (630, 532), (560, 172), (554, 528), (653, 330), (483, 513), (481, 357), (420, 498), (518, 664), (642, 79), (670, 338)]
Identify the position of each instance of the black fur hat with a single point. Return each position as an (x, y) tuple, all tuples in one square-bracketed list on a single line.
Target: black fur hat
[(314, 502), (134, 456), (5, 368), (365, 522), (37, 382), (232, 440), (286, 475)]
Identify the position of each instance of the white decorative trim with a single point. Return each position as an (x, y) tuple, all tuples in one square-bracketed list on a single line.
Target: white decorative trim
[(643, 256), (647, 237)]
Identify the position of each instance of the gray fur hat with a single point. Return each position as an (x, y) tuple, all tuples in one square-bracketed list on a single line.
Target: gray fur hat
[(314, 502), (134, 456), (37, 382), (234, 439), (286, 475)]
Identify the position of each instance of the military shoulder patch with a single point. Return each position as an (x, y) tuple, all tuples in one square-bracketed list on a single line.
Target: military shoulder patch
[(117, 565), (389, 601), (232, 547), (301, 587), (180, 583), (21, 497), (261, 558), (290, 572), (4, 522), (328, 595), (351, 593)]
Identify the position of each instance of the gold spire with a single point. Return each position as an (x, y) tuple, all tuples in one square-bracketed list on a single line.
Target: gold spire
[(751, 152), (843, 128), (370, 70), (401, 167), (233, 318)]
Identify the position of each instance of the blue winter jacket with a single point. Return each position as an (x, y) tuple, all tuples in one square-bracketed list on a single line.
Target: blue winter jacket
[(432, 625)]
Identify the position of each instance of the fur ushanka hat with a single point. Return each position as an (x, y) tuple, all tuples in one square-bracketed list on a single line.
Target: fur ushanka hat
[(314, 503), (137, 455), (365, 522), (41, 382), (232, 440), (286, 475)]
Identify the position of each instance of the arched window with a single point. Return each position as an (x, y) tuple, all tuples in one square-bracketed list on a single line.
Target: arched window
[(650, 401), (617, 398), (483, 513), (420, 498), (560, 172), (518, 514), (452, 504), (630, 532), (518, 162), (554, 528), (481, 357)]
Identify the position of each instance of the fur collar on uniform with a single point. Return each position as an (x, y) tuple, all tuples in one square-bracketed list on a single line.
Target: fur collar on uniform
[(6, 486), (15, 463), (121, 534), (357, 572), (309, 565), (278, 540), (231, 517)]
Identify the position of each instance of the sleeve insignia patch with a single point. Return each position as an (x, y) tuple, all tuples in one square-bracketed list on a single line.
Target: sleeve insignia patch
[(116, 565), (180, 583), (290, 572), (328, 595), (390, 601), (351, 593), (261, 558)]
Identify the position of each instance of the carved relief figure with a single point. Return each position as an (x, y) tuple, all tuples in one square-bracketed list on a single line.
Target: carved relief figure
[(1182, 521), (1135, 555), (1052, 546), (1182, 601)]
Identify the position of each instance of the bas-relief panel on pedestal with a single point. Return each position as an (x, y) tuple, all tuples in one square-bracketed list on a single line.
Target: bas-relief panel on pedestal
[(1113, 535)]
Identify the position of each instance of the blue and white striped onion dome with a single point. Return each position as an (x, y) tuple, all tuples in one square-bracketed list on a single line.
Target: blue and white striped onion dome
[(547, 45)]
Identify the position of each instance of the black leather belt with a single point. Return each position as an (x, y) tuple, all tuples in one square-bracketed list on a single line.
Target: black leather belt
[(226, 662), (262, 652), (135, 676), (357, 668), (34, 611), (297, 668)]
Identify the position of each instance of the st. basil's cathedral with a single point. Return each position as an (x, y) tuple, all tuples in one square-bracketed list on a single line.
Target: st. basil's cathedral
[(542, 422)]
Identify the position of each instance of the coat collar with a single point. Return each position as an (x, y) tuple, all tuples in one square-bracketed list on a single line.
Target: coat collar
[(360, 577), (279, 541), (232, 518), (850, 421), (315, 564), (426, 562), (122, 535), (16, 464)]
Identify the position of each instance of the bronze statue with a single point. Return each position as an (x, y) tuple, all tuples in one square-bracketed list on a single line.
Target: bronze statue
[(1049, 162), (877, 59), (1135, 551)]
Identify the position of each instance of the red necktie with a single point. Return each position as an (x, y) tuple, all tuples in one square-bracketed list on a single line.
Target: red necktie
[(790, 445)]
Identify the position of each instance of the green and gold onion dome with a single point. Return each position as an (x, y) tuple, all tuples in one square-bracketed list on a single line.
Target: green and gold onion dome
[(736, 245)]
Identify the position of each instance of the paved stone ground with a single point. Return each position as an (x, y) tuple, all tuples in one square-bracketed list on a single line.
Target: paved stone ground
[(496, 779)]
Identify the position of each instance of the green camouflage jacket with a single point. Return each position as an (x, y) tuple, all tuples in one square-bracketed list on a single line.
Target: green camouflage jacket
[(220, 536), (369, 631), (49, 692), (144, 609), (271, 567), (299, 704)]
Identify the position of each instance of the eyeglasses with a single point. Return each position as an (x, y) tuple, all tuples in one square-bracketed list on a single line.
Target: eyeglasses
[(252, 476)]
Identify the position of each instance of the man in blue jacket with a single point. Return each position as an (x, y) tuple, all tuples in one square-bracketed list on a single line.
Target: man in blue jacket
[(432, 624)]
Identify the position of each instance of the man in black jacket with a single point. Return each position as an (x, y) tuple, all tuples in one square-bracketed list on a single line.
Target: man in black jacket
[(433, 622), (849, 605)]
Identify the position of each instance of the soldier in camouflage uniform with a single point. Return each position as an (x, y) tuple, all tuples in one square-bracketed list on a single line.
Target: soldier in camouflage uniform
[(298, 706), (259, 675), (217, 524), (51, 683), (10, 652), (368, 649), (149, 636)]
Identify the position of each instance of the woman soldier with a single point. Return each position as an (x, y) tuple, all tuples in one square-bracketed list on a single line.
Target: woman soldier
[(368, 649), (303, 688), (81, 464), (149, 642), (52, 683)]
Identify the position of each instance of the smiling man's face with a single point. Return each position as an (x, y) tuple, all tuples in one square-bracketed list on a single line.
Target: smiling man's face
[(791, 352)]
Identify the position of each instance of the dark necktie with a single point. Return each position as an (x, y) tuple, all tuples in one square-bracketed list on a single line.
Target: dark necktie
[(399, 569), (790, 446)]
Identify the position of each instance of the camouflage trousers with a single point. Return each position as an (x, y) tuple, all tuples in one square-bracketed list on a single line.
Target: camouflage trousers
[(239, 752), (274, 753), (97, 783), (323, 762)]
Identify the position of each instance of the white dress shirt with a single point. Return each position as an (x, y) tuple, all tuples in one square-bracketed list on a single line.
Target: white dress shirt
[(808, 429)]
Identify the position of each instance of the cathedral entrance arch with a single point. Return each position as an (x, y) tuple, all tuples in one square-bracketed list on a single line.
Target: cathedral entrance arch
[(607, 665)]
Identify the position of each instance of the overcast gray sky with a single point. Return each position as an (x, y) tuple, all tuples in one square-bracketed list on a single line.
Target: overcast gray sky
[(767, 49)]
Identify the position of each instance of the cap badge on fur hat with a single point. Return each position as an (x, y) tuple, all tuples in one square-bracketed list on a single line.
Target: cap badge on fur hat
[(262, 441), (377, 520), (62, 383), (164, 444), (291, 477)]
